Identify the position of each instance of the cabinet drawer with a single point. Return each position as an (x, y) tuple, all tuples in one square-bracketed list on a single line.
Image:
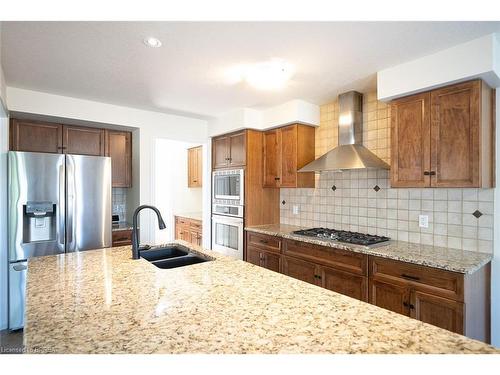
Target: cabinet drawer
[(264, 242), (181, 220), (336, 258), (439, 282), (122, 237), (195, 225)]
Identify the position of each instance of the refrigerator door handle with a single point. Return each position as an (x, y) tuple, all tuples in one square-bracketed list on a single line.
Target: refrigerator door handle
[(20, 267), (61, 210), (70, 201)]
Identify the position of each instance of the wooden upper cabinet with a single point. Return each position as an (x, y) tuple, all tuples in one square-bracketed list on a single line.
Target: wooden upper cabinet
[(35, 136), (410, 141), (443, 138), (456, 136), (229, 151), (237, 149), (220, 152), (270, 158), (83, 141), (286, 150), (195, 167), (119, 148)]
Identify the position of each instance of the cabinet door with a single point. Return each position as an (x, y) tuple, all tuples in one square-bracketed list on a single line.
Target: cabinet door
[(178, 231), (119, 148), (346, 283), (288, 156), (438, 311), (271, 261), (194, 167), (455, 135), (253, 255), (199, 239), (300, 269), (237, 156), (271, 162), (194, 237), (83, 141), (390, 296), (199, 166), (410, 141), (220, 152), (35, 136)]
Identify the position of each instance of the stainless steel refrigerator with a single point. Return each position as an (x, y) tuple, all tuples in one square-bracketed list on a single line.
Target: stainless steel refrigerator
[(57, 204)]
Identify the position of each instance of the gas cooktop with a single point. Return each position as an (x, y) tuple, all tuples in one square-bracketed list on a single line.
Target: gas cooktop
[(356, 238)]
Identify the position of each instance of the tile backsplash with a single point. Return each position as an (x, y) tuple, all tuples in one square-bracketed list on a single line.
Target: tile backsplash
[(362, 200), (120, 203)]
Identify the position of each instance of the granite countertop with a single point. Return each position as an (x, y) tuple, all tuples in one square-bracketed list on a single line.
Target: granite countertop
[(102, 301), (191, 215), (432, 256), (121, 225)]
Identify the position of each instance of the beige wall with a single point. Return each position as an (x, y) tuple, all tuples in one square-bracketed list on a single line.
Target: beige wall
[(356, 206)]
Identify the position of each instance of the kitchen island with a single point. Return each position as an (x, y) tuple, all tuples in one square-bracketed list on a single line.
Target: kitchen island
[(102, 301)]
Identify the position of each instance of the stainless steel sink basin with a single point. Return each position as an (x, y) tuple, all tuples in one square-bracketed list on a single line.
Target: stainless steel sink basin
[(166, 252), (172, 256)]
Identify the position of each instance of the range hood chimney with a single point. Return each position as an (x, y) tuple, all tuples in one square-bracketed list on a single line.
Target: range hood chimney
[(350, 154)]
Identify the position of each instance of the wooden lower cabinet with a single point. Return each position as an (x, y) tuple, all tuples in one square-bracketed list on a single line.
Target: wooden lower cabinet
[(438, 311), (346, 283), (189, 230), (121, 237), (264, 259), (449, 300), (453, 301), (300, 269), (389, 296)]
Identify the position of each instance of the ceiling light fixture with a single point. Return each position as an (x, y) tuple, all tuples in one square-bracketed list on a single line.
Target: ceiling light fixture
[(152, 42), (267, 75)]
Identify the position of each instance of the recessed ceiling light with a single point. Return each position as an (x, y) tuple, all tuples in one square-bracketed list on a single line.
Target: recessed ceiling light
[(266, 75), (152, 42)]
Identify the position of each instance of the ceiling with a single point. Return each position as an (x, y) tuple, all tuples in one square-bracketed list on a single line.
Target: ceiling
[(107, 61)]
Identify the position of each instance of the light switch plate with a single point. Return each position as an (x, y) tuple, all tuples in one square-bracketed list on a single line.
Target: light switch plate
[(295, 209), (423, 221)]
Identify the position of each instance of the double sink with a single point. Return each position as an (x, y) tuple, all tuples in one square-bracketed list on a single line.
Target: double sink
[(172, 256)]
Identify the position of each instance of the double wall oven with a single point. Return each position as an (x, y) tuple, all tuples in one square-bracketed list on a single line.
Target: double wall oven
[(228, 187)]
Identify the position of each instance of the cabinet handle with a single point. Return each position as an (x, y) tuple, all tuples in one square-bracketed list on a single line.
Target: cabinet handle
[(264, 241), (317, 277), (405, 304), (431, 173), (276, 178), (412, 306), (409, 277)]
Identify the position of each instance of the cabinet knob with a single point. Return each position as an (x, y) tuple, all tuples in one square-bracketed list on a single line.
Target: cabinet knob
[(276, 178), (429, 173)]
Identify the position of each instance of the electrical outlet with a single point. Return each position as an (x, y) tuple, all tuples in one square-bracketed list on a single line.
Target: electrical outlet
[(423, 221), (295, 209)]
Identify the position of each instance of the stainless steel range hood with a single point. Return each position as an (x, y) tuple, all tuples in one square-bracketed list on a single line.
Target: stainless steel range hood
[(350, 154)]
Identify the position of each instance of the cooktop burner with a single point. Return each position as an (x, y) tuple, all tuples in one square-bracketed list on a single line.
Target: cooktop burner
[(344, 236)]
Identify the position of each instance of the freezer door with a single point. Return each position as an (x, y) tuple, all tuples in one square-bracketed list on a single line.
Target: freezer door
[(35, 204), (17, 291), (88, 202)]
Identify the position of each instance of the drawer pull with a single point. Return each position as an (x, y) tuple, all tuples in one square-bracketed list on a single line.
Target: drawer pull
[(264, 241), (409, 277)]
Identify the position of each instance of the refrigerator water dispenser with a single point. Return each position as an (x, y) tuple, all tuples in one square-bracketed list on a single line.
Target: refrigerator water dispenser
[(39, 222)]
